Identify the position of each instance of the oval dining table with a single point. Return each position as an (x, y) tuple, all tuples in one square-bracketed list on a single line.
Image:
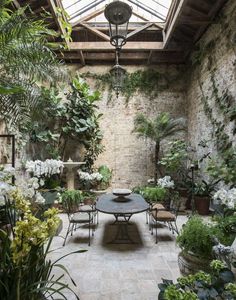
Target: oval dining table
[(123, 208)]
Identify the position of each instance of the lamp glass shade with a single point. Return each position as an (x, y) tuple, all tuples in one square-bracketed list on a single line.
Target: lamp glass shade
[(118, 14), (118, 76)]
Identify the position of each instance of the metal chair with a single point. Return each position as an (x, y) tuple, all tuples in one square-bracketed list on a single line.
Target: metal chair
[(159, 214), (79, 215)]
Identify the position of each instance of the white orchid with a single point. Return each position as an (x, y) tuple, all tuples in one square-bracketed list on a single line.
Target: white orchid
[(225, 197), (90, 177), (166, 182), (39, 198), (45, 168)]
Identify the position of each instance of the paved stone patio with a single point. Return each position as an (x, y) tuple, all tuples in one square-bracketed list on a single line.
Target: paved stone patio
[(119, 271)]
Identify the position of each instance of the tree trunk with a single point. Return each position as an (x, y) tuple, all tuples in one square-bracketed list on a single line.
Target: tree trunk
[(157, 149)]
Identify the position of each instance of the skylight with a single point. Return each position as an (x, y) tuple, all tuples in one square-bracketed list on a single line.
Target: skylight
[(149, 10)]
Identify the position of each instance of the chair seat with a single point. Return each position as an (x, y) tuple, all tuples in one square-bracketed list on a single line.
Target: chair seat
[(85, 207), (158, 206), (163, 215), (81, 218)]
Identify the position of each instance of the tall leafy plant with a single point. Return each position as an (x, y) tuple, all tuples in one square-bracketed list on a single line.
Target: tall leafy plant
[(25, 58), (62, 122), (161, 127)]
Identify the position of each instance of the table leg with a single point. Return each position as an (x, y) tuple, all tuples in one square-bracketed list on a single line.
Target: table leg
[(122, 235)]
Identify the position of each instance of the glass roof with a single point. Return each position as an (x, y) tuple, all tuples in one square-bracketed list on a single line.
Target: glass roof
[(151, 10)]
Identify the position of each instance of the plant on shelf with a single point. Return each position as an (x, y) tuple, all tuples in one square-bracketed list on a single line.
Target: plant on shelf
[(218, 284), (158, 129)]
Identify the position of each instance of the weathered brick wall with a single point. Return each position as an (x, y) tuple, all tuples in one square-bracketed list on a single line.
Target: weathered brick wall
[(218, 63), (130, 158)]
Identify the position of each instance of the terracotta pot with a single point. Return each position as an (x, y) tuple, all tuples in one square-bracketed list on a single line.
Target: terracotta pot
[(202, 204), (190, 264)]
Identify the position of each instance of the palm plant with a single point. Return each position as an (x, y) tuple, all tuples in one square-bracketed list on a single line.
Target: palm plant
[(25, 58), (161, 127)]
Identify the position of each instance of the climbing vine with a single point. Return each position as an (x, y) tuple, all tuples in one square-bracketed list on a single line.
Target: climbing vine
[(223, 116), (148, 82)]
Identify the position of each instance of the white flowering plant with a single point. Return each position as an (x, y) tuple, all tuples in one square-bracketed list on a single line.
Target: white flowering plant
[(226, 198), (45, 174), (90, 180), (166, 182)]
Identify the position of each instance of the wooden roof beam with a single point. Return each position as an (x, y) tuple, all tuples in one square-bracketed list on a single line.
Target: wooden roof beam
[(132, 33), (96, 32), (170, 30), (134, 46), (90, 16), (109, 57), (53, 7), (82, 57), (149, 57)]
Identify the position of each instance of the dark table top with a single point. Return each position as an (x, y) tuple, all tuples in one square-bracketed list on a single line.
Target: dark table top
[(110, 204)]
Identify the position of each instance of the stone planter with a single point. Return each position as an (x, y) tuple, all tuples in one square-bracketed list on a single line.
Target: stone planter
[(202, 204), (190, 264)]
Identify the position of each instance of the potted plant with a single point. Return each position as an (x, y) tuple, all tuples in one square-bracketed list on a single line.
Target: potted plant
[(73, 197), (106, 177), (202, 192), (153, 194), (196, 244)]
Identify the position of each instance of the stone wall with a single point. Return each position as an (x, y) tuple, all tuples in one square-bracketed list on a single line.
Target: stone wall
[(130, 158), (214, 73)]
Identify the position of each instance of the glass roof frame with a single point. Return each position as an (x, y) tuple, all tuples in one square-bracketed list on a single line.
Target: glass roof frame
[(77, 9)]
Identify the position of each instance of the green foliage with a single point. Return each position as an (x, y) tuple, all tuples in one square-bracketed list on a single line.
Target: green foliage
[(161, 127), (149, 82), (152, 194), (24, 256), (204, 188), (59, 123), (25, 58), (175, 157), (195, 237), (106, 176), (225, 229), (217, 266), (73, 196), (217, 285)]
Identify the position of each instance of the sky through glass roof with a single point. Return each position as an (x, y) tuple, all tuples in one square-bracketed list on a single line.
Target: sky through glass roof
[(151, 10)]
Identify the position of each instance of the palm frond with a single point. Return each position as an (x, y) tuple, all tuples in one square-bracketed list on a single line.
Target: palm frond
[(25, 58), (143, 126)]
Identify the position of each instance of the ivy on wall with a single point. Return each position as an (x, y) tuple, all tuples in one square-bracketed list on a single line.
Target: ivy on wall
[(148, 82), (219, 106)]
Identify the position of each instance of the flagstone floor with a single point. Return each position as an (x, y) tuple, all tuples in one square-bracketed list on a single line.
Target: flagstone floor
[(118, 271)]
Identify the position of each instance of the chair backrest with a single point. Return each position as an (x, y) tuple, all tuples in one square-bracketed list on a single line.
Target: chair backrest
[(175, 202), (70, 206)]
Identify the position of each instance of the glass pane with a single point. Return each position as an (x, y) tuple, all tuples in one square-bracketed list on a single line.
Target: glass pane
[(152, 10)]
